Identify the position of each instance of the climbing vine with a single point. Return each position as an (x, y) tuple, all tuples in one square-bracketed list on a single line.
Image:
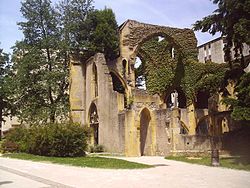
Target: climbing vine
[(163, 72)]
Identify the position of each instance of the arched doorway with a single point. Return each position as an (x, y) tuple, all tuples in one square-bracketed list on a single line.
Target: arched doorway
[(145, 133), (94, 123)]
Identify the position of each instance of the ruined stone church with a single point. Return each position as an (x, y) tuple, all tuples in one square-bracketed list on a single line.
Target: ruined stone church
[(125, 118)]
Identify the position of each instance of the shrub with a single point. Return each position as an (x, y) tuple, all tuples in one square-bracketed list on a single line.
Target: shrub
[(9, 146), (16, 140), (61, 140)]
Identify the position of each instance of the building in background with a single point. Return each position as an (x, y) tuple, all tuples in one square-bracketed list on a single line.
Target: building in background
[(213, 51)]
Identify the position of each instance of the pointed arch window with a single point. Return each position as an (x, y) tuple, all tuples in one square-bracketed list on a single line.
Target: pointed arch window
[(95, 80)]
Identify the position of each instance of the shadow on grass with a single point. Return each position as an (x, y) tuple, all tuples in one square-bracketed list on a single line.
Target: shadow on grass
[(233, 162), (237, 160)]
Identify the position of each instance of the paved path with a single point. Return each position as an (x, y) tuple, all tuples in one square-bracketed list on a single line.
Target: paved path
[(25, 174)]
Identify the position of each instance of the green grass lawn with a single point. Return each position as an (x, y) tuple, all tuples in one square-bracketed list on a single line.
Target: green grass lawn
[(239, 163), (93, 162)]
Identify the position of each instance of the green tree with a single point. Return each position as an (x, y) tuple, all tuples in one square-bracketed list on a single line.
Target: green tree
[(241, 105), (89, 31), (40, 65), (231, 19), (104, 37), (4, 68), (73, 15)]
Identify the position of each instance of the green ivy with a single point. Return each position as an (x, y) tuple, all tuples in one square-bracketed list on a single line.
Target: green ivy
[(164, 73)]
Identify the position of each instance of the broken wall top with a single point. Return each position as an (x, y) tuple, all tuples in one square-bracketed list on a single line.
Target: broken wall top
[(133, 34)]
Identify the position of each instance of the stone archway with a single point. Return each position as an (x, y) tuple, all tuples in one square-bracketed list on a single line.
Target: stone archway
[(94, 124), (184, 39), (145, 132)]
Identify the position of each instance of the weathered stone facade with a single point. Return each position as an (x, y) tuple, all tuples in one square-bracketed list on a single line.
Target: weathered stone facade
[(213, 51), (125, 119)]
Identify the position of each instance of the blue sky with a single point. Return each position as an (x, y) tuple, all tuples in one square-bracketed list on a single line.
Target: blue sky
[(173, 13)]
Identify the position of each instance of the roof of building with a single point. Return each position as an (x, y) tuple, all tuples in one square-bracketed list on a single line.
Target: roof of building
[(209, 42)]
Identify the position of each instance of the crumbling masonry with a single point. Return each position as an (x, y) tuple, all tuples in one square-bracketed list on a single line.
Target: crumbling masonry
[(128, 120)]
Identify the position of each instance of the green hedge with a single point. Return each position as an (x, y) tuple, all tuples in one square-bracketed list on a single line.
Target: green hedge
[(66, 139)]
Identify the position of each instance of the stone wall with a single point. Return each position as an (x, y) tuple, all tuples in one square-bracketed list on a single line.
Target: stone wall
[(163, 132), (110, 130), (193, 143), (132, 121)]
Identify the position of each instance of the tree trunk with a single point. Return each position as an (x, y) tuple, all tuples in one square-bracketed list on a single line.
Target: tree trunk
[(212, 111)]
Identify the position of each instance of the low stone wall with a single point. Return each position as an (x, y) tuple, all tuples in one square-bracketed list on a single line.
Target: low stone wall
[(192, 143), (237, 142)]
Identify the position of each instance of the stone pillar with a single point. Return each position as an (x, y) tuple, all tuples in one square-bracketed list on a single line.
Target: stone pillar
[(77, 91), (192, 119), (175, 127)]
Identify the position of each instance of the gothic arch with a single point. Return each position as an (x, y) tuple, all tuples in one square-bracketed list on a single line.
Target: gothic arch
[(145, 131), (167, 37), (123, 82), (183, 39), (94, 80), (93, 120)]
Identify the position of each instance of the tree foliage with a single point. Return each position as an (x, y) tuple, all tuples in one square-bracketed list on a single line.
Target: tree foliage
[(241, 105), (73, 20), (104, 37), (40, 65), (231, 19), (4, 69), (89, 30), (39, 80)]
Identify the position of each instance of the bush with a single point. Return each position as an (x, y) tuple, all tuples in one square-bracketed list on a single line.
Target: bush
[(16, 140), (61, 140), (9, 146)]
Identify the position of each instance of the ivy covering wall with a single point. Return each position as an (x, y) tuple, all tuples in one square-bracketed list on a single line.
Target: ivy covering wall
[(164, 73)]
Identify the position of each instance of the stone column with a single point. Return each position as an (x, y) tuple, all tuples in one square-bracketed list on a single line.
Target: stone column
[(77, 91), (175, 127)]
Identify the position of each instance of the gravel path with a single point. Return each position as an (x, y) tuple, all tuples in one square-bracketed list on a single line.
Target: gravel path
[(166, 173)]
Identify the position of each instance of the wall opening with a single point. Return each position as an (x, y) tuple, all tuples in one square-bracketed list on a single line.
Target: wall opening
[(145, 134), (172, 53), (94, 123), (176, 99), (202, 100), (95, 80), (118, 87), (140, 79), (124, 67), (160, 38), (117, 83)]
